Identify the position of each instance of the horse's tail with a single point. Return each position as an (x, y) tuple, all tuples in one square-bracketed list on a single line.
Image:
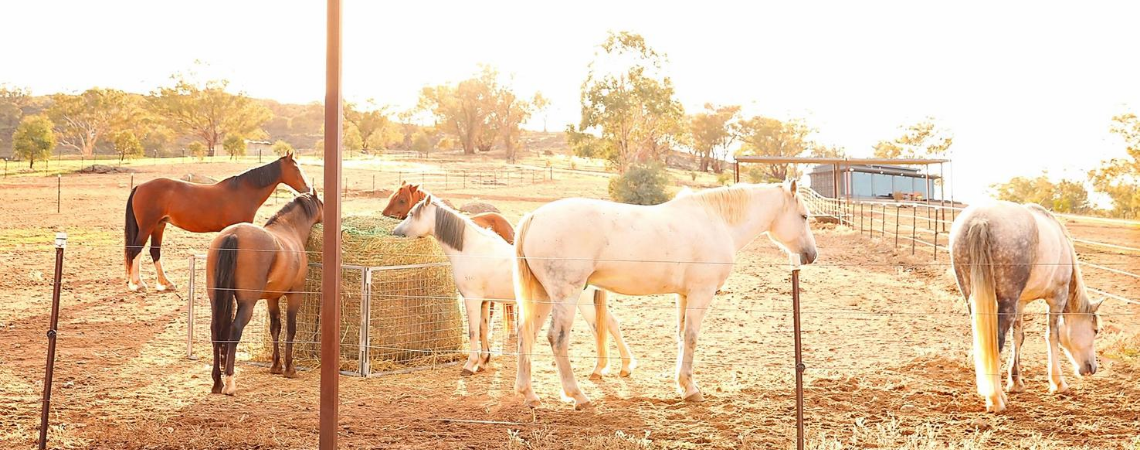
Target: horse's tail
[(527, 286), (600, 328), (131, 230), (985, 309), (224, 285)]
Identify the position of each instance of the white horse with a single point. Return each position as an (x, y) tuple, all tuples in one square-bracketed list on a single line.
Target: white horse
[(481, 263), (1006, 255), (686, 246)]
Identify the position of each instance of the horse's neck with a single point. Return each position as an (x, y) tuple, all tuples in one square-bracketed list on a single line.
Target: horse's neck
[(1078, 293), (474, 243), (762, 209), (253, 197), (288, 228)]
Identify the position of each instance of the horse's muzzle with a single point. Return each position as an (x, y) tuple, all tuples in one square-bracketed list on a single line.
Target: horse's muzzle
[(808, 256), (1088, 369)]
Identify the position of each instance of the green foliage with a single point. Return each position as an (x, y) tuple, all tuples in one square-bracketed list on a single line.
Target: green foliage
[(1064, 197), (127, 145), (920, 140), (478, 111), (12, 103), (375, 126), (206, 111), (541, 105), (421, 143), (234, 145), (1119, 178), (83, 119), (765, 136), (825, 151), (712, 134), (34, 139), (281, 148), (351, 141), (641, 184), (626, 99), (198, 150)]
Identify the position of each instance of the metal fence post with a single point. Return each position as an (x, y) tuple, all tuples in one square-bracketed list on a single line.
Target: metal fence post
[(913, 227), (365, 318), (58, 191), (799, 352), (49, 368), (884, 229), (896, 226), (190, 309), (860, 218)]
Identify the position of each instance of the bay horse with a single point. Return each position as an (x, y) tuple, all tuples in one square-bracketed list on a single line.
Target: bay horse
[(198, 208), (481, 265), (686, 246), (247, 263), (1006, 255), (407, 195)]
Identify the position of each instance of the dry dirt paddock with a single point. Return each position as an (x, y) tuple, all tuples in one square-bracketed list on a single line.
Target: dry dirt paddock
[(886, 341)]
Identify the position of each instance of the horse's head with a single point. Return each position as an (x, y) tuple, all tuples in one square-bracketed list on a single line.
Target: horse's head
[(292, 175), (401, 201), (420, 220), (790, 226), (1078, 330)]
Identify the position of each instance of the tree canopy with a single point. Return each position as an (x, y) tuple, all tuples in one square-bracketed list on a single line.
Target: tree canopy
[(765, 136), (1119, 178), (34, 139), (1066, 196), (920, 140), (206, 111), (712, 132)]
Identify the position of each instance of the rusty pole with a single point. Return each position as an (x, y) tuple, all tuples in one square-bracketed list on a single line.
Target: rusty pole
[(799, 352), (49, 367), (330, 270), (736, 172), (896, 225)]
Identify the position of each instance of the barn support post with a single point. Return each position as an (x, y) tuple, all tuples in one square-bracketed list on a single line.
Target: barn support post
[(365, 319), (331, 257), (795, 259), (190, 309), (49, 366)]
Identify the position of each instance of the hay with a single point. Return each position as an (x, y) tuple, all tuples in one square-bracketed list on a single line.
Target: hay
[(415, 316)]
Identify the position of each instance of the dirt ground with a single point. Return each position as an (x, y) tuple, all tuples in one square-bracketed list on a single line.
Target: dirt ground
[(886, 342)]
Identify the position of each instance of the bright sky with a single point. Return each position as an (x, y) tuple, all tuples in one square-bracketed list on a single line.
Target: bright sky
[(1023, 87)]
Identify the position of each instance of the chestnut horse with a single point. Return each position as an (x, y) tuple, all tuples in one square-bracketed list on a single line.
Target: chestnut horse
[(248, 263), (198, 208), (408, 195)]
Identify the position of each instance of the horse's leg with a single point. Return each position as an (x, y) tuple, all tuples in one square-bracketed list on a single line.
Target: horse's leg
[(134, 280), (275, 330), (216, 373), (602, 367), (162, 283), (559, 337), (696, 304), (628, 362), (1015, 383), (485, 335), (509, 320), (474, 308), (292, 306), (529, 324), (1057, 383), (244, 312)]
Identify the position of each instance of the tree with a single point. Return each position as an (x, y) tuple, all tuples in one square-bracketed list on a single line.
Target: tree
[(12, 103), (1066, 196), (34, 139), (825, 151), (920, 140), (281, 148), (234, 145), (351, 140), (155, 138), (1119, 178), (374, 125), (463, 110), (629, 103), (510, 113), (83, 119), (206, 111), (198, 150), (712, 134), (541, 105), (421, 143), (127, 145), (765, 136), (642, 184)]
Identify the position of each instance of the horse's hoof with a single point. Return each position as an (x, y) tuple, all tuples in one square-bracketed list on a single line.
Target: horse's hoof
[(141, 287), (1059, 389), (291, 374), (695, 397), (582, 405), (625, 373), (532, 402), (276, 370), (1014, 388), (596, 376), (217, 389), (466, 372)]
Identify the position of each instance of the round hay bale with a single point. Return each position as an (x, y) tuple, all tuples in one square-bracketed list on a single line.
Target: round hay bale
[(196, 178), (478, 208), (415, 315)]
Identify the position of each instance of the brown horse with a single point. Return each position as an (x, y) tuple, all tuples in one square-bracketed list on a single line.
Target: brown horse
[(248, 263), (407, 195), (198, 208)]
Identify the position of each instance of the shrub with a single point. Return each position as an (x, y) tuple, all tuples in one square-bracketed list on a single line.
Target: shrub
[(198, 150), (642, 184)]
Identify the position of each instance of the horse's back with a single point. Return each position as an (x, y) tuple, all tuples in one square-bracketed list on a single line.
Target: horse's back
[(261, 253), (198, 208), (1026, 248)]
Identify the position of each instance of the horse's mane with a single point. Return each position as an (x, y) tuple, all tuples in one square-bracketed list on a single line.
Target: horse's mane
[(1078, 303), (307, 203), (730, 202), (259, 177), (450, 225)]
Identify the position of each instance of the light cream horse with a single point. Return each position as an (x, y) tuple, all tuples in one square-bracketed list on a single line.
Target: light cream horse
[(481, 263), (686, 246), (1006, 255)]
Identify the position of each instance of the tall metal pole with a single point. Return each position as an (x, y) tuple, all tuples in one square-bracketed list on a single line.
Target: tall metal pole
[(330, 257), (799, 353), (49, 369)]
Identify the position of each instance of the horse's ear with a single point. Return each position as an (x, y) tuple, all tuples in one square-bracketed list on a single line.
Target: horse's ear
[(1095, 305), (403, 182), (289, 155), (793, 186), (413, 188)]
